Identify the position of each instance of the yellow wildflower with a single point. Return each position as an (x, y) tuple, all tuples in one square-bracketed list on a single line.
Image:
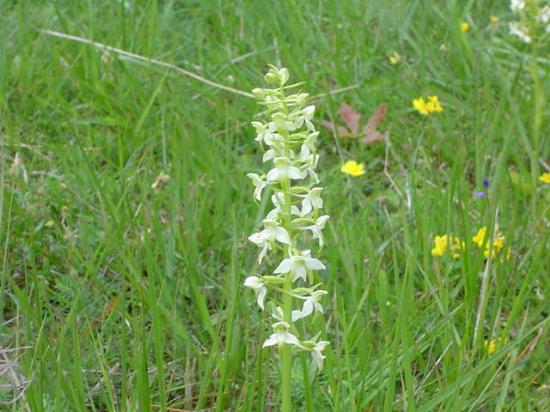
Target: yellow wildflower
[(440, 245), (464, 27), (426, 107), (545, 178), (433, 104), (491, 345), (492, 248), (352, 168), (421, 106), (494, 19), (394, 58), (479, 238)]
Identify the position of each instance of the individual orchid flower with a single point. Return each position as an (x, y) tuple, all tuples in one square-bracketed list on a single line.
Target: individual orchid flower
[(281, 336), (272, 231), (316, 349), (259, 185), (311, 304), (266, 133), (317, 227), (260, 241), (312, 201), (317, 353), (284, 170), (299, 265), (256, 283)]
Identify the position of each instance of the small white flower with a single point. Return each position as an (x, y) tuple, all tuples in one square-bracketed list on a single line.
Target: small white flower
[(520, 31), (284, 170), (311, 303), (312, 201), (317, 354), (259, 185), (281, 336), (269, 155), (265, 132), (272, 231), (317, 228), (517, 5), (304, 115), (260, 241), (254, 282), (299, 265)]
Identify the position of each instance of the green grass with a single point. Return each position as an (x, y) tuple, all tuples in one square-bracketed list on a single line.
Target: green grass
[(117, 296)]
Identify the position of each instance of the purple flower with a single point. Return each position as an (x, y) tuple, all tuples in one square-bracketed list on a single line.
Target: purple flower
[(486, 183), (479, 195)]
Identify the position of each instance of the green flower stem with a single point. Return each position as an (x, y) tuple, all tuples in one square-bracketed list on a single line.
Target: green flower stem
[(286, 350)]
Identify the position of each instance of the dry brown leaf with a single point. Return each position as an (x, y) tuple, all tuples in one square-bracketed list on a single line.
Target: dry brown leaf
[(350, 117), (370, 131), (369, 134)]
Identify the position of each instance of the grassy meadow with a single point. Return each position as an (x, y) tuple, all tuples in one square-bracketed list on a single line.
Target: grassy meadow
[(125, 207)]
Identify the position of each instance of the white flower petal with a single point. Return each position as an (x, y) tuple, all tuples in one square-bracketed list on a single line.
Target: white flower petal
[(269, 155), (287, 337), (263, 252), (314, 264), (253, 282), (284, 267), (299, 271), (257, 238), (307, 309), (296, 315), (271, 341), (282, 236), (274, 175), (261, 297)]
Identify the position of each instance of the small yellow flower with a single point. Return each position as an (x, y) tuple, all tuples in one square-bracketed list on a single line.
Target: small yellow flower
[(494, 19), (421, 106), (479, 238), (440, 245), (426, 107), (464, 27), (433, 104), (545, 178), (492, 248), (394, 58), (352, 168), (491, 345)]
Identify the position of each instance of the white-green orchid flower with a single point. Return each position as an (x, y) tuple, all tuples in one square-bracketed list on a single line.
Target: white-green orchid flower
[(259, 185), (284, 170), (317, 353), (299, 265), (281, 336), (256, 283), (312, 201), (311, 304), (317, 227)]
